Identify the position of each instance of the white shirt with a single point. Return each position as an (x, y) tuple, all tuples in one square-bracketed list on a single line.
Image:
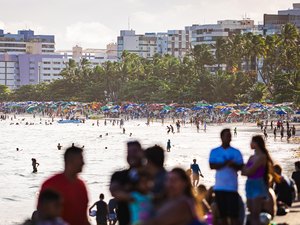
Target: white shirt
[(226, 177)]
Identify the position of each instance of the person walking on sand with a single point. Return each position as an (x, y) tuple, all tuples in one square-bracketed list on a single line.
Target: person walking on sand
[(282, 132), (275, 133), (235, 131), (35, 165), (196, 173), (265, 133), (102, 210), (169, 146), (294, 131)]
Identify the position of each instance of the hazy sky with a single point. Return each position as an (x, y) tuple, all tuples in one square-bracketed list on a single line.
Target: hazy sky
[(94, 23)]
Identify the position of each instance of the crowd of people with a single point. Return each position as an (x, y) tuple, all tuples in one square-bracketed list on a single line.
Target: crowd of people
[(147, 194)]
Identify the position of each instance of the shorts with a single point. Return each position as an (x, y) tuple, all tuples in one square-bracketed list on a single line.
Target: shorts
[(256, 188), (228, 204), (195, 176), (112, 216)]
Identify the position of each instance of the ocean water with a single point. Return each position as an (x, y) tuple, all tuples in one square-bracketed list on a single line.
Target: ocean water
[(19, 186)]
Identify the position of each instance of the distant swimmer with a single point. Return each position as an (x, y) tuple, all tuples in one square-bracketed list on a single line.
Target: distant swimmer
[(106, 134), (105, 147), (124, 130), (35, 165), (18, 150), (59, 146), (82, 147), (168, 129), (100, 136), (130, 134), (275, 133), (169, 146)]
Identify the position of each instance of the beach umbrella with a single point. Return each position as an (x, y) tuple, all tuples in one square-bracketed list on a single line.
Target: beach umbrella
[(242, 112), (164, 111), (178, 110), (197, 108), (281, 112), (104, 108), (167, 107), (220, 107), (31, 109)]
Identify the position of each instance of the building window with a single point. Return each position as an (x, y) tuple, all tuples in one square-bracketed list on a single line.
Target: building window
[(56, 68), (46, 68), (46, 74), (46, 62), (31, 80), (56, 62), (31, 68)]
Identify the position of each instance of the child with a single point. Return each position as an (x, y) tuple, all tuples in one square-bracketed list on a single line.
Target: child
[(49, 210), (35, 165), (140, 201)]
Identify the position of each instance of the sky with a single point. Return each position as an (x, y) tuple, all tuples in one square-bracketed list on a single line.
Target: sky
[(94, 23)]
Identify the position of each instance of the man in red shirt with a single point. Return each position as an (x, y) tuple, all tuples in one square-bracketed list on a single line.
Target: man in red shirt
[(71, 188)]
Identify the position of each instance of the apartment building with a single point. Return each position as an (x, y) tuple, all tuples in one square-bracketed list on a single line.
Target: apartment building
[(209, 33), (23, 69), (173, 42), (179, 42), (25, 41), (274, 22), (143, 45)]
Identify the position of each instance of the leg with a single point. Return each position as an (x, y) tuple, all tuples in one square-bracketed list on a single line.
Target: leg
[(255, 210)]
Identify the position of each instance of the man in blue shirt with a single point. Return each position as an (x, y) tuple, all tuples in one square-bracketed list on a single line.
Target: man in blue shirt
[(227, 161), (196, 173)]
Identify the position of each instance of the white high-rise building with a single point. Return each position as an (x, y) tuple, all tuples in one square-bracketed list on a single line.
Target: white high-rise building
[(179, 42), (209, 33), (143, 45)]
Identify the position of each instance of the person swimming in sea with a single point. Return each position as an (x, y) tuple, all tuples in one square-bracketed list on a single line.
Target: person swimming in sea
[(35, 165), (59, 146)]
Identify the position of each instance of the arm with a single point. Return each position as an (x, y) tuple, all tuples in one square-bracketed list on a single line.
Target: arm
[(90, 209), (217, 166), (235, 166)]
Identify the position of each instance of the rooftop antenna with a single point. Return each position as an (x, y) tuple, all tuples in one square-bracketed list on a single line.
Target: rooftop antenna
[(128, 22)]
